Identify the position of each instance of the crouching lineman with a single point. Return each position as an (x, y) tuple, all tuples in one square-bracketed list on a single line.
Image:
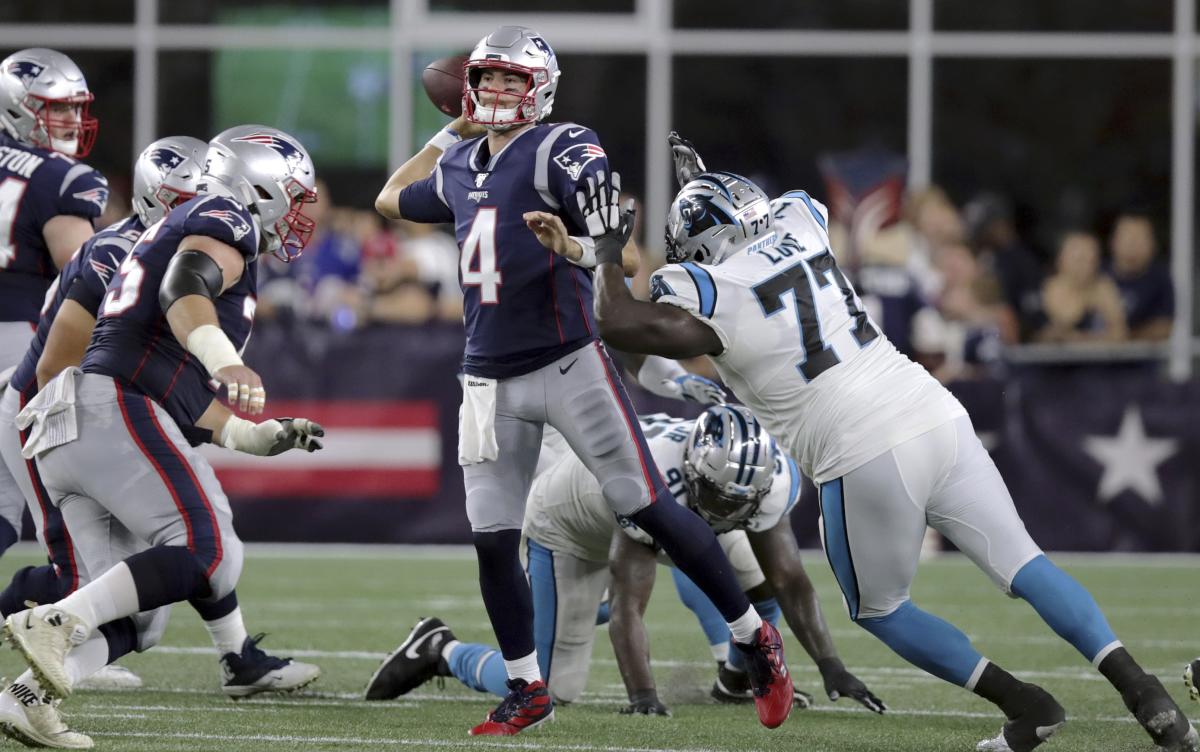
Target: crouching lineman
[(570, 532), (165, 175), (108, 439), (754, 284)]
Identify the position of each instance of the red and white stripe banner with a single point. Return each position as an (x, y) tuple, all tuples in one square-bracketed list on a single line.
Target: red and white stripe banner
[(372, 449)]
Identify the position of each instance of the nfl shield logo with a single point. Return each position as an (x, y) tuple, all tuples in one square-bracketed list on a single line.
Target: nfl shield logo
[(479, 178)]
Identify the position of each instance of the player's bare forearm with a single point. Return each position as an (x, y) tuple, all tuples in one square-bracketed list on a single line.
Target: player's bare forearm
[(64, 234), (189, 313), (633, 567), (67, 341), (637, 326), (419, 166), (214, 418), (779, 556)]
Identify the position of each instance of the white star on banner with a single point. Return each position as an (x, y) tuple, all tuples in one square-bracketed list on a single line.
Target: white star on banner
[(1130, 459)]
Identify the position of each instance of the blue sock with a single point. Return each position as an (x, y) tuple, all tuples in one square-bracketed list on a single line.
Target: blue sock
[(711, 621), (768, 609), (38, 584), (1065, 605), (603, 614), (694, 548), (480, 667), (929, 643)]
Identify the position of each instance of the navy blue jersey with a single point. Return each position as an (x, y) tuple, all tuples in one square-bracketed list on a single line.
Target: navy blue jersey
[(133, 342), (37, 185), (523, 306), (82, 279)]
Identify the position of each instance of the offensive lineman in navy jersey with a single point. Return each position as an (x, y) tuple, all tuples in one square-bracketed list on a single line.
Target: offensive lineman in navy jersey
[(533, 358), (108, 441), (47, 200)]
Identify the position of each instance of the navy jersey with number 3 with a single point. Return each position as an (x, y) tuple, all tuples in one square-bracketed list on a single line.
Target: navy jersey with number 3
[(524, 306), (37, 185), (133, 342)]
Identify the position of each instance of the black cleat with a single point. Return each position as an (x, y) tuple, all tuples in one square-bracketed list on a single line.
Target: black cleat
[(416, 661), (1160, 716), (733, 688), (1036, 718)]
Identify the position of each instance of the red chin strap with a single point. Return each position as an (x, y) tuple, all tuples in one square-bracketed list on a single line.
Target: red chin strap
[(85, 129), (296, 228)]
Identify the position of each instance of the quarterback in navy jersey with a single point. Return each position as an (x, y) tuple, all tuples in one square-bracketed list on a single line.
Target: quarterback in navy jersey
[(147, 514), (508, 183), (48, 200)]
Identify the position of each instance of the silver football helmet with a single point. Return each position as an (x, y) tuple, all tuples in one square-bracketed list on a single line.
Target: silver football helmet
[(269, 173), (523, 51), (165, 175), (32, 82), (728, 466), (717, 215)]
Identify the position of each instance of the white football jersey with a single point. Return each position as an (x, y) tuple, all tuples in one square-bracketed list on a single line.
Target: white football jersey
[(802, 353), (566, 511)]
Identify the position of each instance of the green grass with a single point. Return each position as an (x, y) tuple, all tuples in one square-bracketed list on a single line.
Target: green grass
[(343, 608)]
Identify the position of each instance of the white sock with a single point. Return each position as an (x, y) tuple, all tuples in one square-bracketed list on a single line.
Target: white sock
[(720, 651), (745, 627), (110, 596), (86, 659), (524, 668), (448, 649), (228, 633)]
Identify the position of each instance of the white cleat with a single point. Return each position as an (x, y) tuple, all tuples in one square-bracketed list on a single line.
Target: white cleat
[(1000, 744), (34, 721), (111, 676), (44, 635), (1191, 679)]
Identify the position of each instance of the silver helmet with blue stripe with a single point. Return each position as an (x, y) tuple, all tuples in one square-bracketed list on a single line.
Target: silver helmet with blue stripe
[(717, 215), (728, 466)]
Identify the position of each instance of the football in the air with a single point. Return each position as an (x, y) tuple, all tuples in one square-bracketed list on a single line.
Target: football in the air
[(443, 81)]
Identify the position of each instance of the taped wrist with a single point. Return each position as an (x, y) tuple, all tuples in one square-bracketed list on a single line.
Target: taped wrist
[(212, 348), (655, 370), (190, 273), (243, 435), (588, 259)]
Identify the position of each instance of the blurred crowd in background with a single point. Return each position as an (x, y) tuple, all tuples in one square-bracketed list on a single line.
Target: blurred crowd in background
[(951, 284)]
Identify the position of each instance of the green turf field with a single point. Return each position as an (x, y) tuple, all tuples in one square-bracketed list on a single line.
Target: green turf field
[(344, 607)]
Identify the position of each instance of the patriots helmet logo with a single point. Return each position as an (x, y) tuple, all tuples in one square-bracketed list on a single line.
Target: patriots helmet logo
[(165, 159), (542, 46), (577, 156), (25, 70), (290, 152), (231, 219)]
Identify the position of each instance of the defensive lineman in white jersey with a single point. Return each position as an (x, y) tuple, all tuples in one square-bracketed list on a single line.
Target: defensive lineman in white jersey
[(755, 284)]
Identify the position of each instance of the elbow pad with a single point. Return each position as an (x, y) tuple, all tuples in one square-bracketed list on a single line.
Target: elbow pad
[(190, 273)]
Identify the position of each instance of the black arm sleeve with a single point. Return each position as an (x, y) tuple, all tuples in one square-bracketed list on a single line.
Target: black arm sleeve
[(84, 296), (190, 273)]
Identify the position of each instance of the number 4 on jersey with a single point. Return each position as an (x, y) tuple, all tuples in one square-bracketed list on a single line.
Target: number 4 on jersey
[(481, 242)]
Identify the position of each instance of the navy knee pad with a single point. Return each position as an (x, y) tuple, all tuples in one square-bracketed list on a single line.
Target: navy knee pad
[(212, 610), (167, 574)]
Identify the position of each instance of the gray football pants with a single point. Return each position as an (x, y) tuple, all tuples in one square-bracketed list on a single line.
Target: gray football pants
[(14, 341), (582, 396), (131, 476)]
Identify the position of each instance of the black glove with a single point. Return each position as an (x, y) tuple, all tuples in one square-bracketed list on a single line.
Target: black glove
[(841, 683), (645, 702), (688, 163), (609, 225), (298, 433)]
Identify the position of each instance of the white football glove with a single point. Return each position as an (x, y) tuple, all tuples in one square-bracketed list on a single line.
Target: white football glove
[(607, 222), (271, 437)]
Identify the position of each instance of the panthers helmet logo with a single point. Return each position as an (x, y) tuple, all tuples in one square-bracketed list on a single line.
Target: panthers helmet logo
[(699, 213)]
